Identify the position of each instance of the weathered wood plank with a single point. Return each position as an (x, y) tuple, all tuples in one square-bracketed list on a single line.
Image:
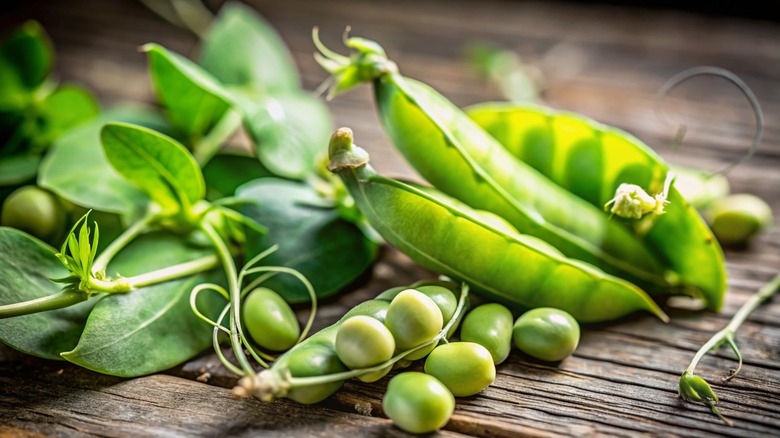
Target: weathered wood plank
[(606, 62)]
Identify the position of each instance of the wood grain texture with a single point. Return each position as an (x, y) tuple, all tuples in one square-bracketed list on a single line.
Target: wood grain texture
[(606, 62)]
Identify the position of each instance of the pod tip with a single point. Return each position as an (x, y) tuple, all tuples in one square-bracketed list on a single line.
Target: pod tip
[(343, 153)]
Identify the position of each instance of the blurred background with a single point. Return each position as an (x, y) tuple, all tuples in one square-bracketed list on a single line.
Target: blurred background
[(606, 60)]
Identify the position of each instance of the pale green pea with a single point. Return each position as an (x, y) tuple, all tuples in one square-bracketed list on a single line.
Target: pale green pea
[(270, 320), (418, 402), (546, 333), (35, 211), (465, 368), (735, 219), (315, 360), (362, 342), (413, 318), (490, 325)]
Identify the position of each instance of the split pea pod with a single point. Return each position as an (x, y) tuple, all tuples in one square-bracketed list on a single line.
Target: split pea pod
[(316, 358), (591, 160), (459, 158), (455, 242)]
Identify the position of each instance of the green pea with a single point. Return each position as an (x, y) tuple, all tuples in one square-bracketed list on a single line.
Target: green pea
[(270, 320), (490, 325), (316, 360), (34, 211), (735, 219), (465, 368), (362, 342), (413, 318), (546, 333), (418, 402)]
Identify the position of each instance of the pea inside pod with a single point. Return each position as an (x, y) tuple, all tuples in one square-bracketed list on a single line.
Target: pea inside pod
[(363, 341), (413, 318), (436, 235), (489, 325)]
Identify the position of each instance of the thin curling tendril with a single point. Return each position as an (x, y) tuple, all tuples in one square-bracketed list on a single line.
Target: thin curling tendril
[(685, 75)]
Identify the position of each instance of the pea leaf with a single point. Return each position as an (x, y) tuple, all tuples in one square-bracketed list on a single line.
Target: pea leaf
[(26, 59), (328, 250), (25, 270), (18, 169), (62, 110), (194, 100), (226, 172), (150, 329), (76, 168), (155, 163), (289, 132), (242, 50)]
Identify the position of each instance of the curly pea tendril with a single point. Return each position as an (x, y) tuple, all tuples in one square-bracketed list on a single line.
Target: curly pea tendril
[(631, 201), (693, 388), (235, 332), (270, 384)]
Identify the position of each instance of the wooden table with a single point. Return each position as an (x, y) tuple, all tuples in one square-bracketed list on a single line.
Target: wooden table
[(603, 61)]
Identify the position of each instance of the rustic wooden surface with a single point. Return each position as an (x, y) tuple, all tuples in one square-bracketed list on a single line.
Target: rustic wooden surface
[(603, 61)]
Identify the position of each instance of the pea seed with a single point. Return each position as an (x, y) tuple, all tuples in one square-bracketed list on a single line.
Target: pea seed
[(418, 402), (35, 211), (270, 320), (546, 333), (490, 325), (413, 318), (737, 218), (465, 368), (314, 361), (362, 342)]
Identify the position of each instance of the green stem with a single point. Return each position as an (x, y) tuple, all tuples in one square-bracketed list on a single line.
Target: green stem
[(234, 291), (209, 145), (127, 236), (49, 302), (729, 331), (120, 285)]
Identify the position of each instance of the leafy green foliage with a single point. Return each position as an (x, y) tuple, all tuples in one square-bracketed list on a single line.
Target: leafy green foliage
[(33, 112), (289, 132), (77, 255), (153, 328), (26, 276), (242, 50), (26, 59), (157, 164), (194, 100), (328, 250), (226, 172), (96, 184)]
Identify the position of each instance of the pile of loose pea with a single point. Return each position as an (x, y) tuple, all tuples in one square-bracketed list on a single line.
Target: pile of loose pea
[(421, 402)]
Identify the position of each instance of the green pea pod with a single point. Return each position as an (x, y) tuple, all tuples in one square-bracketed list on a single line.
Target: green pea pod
[(456, 242), (317, 357), (591, 160), (459, 158)]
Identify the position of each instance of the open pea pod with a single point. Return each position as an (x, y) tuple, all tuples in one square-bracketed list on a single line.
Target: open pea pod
[(459, 158), (452, 239), (591, 160)]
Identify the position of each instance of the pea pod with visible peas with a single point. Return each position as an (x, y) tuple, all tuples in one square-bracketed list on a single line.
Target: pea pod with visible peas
[(455, 242), (458, 157), (554, 142), (312, 370)]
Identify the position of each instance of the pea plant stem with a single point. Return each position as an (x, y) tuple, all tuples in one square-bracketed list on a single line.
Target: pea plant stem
[(234, 291), (49, 302), (121, 285), (727, 333), (209, 145), (127, 236)]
